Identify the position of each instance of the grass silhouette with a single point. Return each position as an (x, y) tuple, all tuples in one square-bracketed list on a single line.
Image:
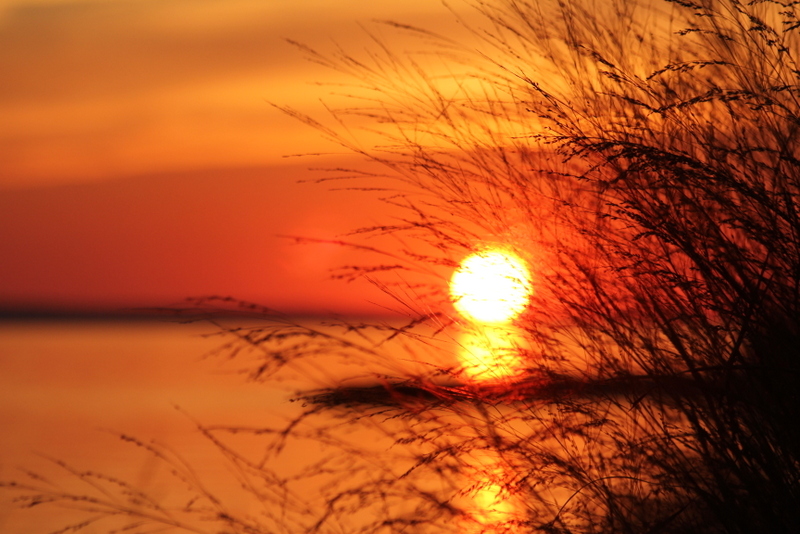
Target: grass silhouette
[(643, 158)]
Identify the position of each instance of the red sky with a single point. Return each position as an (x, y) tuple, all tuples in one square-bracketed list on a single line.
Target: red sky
[(141, 161)]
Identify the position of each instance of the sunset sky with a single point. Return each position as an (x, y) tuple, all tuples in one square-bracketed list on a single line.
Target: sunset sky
[(141, 161)]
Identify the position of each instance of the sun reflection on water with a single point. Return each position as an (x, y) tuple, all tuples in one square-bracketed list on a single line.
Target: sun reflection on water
[(490, 509), (491, 352), (491, 289)]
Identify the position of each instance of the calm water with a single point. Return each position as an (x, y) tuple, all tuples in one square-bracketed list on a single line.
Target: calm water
[(67, 389)]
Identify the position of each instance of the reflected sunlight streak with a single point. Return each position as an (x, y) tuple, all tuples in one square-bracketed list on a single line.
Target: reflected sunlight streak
[(490, 289), (491, 508), (491, 352)]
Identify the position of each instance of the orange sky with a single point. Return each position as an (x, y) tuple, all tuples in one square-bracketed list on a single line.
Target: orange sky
[(141, 163)]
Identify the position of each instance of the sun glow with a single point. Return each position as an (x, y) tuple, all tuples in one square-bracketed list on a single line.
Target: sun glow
[(492, 286)]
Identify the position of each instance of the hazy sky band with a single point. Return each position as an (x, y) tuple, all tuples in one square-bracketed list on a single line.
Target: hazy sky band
[(97, 89), (141, 161)]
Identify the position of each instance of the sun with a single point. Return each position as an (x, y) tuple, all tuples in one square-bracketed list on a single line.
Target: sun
[(491, 286)]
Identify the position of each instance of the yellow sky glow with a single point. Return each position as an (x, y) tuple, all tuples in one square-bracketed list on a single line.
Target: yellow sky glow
[(97, 89)]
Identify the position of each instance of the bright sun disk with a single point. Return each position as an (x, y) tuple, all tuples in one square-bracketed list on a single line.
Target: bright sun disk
[(491, 286)]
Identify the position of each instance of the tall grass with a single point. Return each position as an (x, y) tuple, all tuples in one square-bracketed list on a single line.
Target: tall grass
[(643, 158)]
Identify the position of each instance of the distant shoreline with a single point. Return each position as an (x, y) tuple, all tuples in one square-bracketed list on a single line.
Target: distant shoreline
[(159, 314)]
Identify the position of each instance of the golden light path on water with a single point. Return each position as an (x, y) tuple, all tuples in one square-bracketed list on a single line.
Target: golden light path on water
[(490, 289), (491, 352), (493, 506)]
